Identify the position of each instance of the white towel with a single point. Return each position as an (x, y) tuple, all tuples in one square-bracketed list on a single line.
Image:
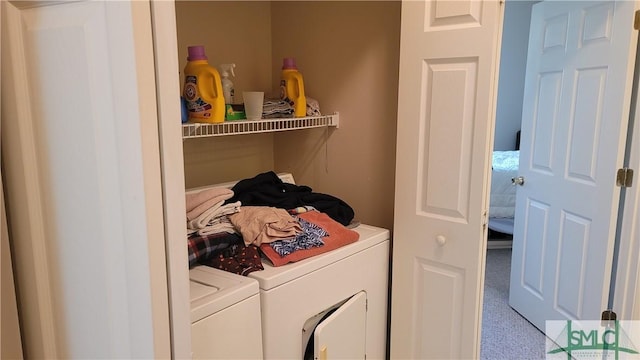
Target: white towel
[(197, 203), (273, 108), (215, 211)]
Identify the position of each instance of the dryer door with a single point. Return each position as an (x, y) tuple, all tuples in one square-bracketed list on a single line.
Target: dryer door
[(342, 335)]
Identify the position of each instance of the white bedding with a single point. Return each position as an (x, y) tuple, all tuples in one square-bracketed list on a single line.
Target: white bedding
[(503, 193)]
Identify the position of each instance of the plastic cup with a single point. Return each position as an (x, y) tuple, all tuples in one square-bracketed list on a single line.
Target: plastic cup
[(253, 101)]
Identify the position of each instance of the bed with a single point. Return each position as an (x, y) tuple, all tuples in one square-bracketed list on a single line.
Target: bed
[(502, 201), (503, 194)]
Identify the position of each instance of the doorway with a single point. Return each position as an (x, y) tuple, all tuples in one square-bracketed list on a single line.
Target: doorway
[(509, 77), (505, 333)]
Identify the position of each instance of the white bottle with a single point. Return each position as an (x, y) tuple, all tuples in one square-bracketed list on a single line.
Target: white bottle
[(227, 84)]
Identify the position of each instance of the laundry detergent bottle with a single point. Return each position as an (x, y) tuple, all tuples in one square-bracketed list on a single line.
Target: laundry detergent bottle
[(202, 88), (292, 87)]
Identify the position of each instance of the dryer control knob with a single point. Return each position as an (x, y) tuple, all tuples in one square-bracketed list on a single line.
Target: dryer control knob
[(441, 240)]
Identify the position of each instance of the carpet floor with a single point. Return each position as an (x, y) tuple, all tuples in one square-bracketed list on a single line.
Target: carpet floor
[(505, 334)]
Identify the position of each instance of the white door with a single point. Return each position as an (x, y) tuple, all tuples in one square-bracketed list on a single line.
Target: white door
[(447, 96), (575, 116), (83, 180)]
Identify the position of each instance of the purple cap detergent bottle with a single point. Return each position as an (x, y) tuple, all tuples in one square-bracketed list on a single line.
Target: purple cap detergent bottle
[(292, 87), (202, 90), (196, 53), (289, 63)]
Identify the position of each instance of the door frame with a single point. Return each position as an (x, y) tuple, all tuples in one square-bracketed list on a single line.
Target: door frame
[(165, 47), (626, 288)]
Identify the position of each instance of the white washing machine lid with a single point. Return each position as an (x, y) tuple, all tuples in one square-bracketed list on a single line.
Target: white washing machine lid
[(272, 276), (212, 290)]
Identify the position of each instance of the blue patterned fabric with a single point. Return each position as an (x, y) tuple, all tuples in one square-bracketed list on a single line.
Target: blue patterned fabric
[(311, 236)]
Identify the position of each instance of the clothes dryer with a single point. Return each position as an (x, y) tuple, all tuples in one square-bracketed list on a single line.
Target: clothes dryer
[(337, 299)]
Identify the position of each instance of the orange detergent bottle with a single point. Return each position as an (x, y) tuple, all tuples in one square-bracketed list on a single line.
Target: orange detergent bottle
[(202, 88), (292, 87)]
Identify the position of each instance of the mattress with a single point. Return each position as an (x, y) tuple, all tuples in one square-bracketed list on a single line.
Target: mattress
[(503, 194)]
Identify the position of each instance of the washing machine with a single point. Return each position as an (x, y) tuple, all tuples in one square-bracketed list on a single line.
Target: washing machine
[(329, 306), (225, 315)]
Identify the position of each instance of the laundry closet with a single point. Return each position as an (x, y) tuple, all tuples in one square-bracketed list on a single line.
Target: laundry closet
[(95, 189), (348, 55)]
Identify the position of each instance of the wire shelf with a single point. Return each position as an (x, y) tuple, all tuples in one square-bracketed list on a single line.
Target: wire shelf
[(238, 127)]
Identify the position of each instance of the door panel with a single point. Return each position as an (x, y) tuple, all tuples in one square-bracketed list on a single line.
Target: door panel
[(535, 260), (546, 120), (573, 247), (444, 192), (446, 105), (575, 117), (81, 156), (584, 129)]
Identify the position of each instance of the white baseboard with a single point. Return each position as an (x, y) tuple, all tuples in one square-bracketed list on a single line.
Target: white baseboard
[(499, 244)]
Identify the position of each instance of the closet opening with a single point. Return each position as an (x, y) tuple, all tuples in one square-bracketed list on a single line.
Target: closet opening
[(551, 97), (505, 333)]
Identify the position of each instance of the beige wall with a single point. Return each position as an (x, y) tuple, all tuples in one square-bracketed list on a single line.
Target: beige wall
[(348, 53), (232, 32)]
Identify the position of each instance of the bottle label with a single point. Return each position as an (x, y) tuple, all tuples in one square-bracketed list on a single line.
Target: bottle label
[(197, 108), (283, 89)]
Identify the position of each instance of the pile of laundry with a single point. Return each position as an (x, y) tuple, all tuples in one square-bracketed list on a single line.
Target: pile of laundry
[(230, 228)]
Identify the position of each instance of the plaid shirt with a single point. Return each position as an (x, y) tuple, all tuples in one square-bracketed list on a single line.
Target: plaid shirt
[(205, 247)]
